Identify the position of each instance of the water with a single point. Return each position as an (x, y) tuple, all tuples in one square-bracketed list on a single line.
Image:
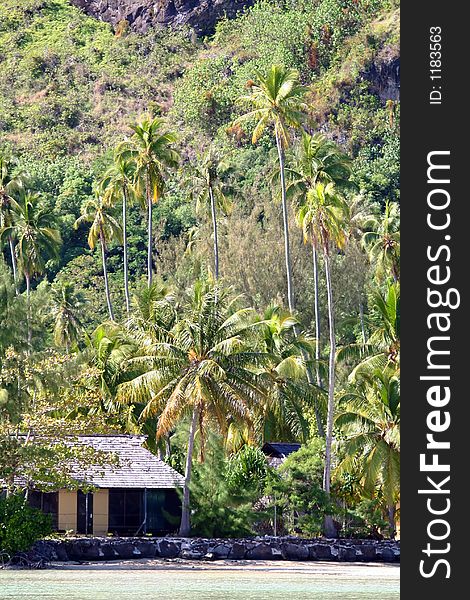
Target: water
[(260, 581)]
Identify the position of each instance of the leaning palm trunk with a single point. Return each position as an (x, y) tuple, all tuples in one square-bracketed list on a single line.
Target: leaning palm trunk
[(321, 431), (149, 236), (216, 242), (105, 274), (290, 292), (13, 263), (124, 242), (329, 528), (185, 525), (28, 299)]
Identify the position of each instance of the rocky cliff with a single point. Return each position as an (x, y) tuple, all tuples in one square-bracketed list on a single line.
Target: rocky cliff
[(142, 14)]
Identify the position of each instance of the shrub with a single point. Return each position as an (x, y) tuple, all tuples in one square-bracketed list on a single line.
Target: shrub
[(20, 525)]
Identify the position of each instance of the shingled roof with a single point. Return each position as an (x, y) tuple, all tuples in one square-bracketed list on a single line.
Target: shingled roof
[(137, 466)]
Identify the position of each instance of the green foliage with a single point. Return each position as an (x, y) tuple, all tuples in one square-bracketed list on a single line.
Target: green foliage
[(246, 470), (298, 490), (220, 508), (20, 525)]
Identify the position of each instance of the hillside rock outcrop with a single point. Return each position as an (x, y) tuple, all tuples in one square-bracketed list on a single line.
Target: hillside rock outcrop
[(201, 15)]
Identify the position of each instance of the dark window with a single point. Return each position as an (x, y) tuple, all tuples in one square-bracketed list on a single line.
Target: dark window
[(48, 502), (126, 511), (84, 512), (163, 511)]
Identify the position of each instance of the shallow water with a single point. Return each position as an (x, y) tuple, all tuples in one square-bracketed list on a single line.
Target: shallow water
[(319, 581)]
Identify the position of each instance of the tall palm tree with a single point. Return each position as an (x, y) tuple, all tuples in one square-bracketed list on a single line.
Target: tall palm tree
[(117, 186), (153, 154), (324, 215), (206, 185), (205, 371), (383, 241), (67, 305), (316, 160), (37, 241), (276, 100), (10, 187), (104, 228), (370, 420)]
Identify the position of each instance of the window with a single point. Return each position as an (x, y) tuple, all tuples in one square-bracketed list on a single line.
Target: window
[(48, 502)]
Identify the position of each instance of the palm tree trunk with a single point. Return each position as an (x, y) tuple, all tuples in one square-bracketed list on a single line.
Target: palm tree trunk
[(13, 263), (329, 528), (391, 522), (149, 236), (105, 274), (290, 292), (124, 242), (28, 300), (216, 242), (361, 318), (321, 431), (185, 525)]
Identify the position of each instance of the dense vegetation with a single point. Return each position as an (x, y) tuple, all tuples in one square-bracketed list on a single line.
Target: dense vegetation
[(201, 236)]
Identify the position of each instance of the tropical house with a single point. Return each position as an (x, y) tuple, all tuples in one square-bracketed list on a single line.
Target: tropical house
[(277, 452), (134, 496)]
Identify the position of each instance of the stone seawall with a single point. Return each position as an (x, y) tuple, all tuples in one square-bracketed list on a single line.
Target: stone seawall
[(262, 548)]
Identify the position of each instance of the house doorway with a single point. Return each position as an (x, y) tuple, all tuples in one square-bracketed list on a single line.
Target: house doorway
[(84, 512)]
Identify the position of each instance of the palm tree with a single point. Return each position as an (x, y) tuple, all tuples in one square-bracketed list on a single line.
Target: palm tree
[(66, 308), (383, 241), (382, 348), (276, 100), (204, 371), (316, 160), (206, 184), (104, 228), (370, 420), (153, 154), (117, 185), (282, 415), (324, 214), (10, 187), (37, 241)]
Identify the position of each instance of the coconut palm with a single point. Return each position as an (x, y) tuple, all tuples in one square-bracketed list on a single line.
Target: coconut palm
[(324, 214), (37, 240), (282, 415), (276, 101), (382, 348), (206, 185), (316, 160), (104, 229), (153, 155), (370, 421), (205, 371), (66, 307), (383, 241), (117, 186), (10, 186)]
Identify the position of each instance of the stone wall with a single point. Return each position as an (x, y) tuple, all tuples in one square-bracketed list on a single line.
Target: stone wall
[(261, 548)]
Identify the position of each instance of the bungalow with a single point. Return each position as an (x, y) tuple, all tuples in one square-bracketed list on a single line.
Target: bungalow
[(277, 452), (136, 496)]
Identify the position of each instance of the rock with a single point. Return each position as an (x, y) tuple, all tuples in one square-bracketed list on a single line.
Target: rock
[(168, 549), (201, 15), (237, 552), (264, 552), (291, 551), (347, 554)]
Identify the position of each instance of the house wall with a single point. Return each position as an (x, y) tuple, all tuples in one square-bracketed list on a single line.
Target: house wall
[(100, 512), (67, 513)]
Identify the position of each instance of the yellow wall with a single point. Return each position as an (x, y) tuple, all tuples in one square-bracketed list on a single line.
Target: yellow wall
[(67, 518), (100, 512)]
